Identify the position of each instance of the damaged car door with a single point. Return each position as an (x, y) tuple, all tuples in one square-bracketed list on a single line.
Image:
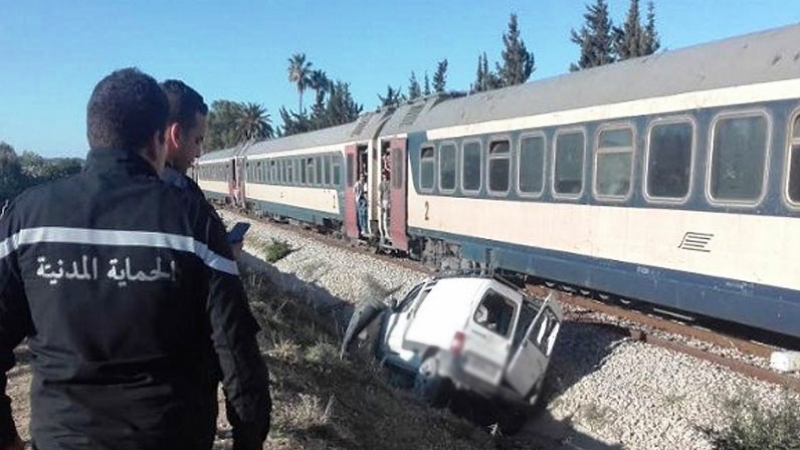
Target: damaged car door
[(529, 364)]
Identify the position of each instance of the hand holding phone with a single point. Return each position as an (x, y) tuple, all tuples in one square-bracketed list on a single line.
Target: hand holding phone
[(238, 231)]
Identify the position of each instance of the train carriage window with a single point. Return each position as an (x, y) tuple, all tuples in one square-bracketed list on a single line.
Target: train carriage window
[(613, 163), (337, 174), (272, 172), (794, 162), (447, 167), (568, 167), (303, 171), (738, 158), (669, 160), (311, 178), (290, 171), (318, 164), (426, 168), (471, 166), (531, 165), (326, 160), (398, 165), (499, 166)]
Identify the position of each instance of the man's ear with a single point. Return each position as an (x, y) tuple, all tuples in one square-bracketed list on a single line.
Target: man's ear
[(173, 135)]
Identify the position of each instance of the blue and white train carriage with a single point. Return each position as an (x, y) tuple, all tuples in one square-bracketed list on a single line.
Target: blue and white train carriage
[(219, 174), (672, 179)]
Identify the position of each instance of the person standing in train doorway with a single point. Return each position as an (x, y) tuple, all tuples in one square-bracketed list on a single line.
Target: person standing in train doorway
[(360, 191), (383, 191)]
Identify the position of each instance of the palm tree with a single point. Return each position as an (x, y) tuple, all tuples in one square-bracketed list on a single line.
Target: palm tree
[(299, 71), (320, 83), (252, 122)]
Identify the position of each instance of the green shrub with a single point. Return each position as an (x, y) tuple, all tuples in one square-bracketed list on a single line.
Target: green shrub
[(276, 250), (754, 428)]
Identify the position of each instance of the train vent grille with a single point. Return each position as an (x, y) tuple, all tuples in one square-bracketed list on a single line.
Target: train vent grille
[(360, 126), (412, 115)]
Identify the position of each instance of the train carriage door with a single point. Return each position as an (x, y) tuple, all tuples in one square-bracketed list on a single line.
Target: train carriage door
[(350, 219), (398, 212), (231, 165), (243, 180)]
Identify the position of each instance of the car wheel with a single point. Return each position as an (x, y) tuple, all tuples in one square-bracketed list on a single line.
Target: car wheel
[(536, 397), (428, 384)]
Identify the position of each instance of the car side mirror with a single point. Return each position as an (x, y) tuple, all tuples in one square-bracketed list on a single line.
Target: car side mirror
[(392, 303)]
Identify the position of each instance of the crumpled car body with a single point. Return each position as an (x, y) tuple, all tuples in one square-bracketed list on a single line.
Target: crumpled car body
[(472, 332)]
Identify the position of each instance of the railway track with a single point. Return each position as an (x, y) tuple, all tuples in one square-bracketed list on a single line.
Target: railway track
[(635, 325), (663, 332)]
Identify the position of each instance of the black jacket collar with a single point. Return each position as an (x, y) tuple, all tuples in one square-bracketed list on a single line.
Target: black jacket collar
[(114, 160)]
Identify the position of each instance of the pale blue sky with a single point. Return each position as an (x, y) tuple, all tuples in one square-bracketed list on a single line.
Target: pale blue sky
[(52, 52)]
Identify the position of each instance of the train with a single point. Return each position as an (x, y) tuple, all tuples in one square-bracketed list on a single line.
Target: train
[(671, 179)]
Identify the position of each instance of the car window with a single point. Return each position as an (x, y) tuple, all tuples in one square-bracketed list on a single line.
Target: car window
[(526, 316), (495, 313), (408, 300)]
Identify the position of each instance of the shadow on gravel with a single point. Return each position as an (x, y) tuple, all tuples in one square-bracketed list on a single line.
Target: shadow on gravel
[(581, 350)]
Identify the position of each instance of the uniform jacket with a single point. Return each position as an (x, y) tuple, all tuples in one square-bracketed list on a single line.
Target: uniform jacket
[(121, 284)]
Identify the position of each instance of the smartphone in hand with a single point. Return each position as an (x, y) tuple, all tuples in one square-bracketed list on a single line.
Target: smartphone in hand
[(238, 231)]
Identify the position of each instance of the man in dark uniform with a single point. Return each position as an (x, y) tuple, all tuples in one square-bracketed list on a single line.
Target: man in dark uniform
[(117, 280), (184, 135)]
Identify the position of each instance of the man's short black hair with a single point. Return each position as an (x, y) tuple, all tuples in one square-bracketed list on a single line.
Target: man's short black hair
[(184, 103), (125, 109)]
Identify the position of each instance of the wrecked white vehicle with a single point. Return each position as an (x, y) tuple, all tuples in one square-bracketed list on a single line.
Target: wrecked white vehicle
[(472, 332)]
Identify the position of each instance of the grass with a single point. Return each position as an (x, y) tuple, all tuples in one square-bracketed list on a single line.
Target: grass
[(754, 428), (276, 250), (321, 401)]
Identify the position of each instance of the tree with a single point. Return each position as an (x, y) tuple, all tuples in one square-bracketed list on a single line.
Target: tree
[(650, 36), (299, 73), (319, 82), (485, 79), (427, 90), (414, 89), (221, 129), (393, 97), (595, 38), (518, 62), (12, 180), (440, 77), (341, 107), (633, 39), (629, 38), (294, 123), (252, 123)]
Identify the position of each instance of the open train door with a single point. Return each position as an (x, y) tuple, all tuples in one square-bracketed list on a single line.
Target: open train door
[(241, 169), (350, 219), (398, 211)]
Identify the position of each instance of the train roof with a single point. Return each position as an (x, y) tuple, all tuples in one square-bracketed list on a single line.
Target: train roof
[(766, 56), (361, 130), (225, 153)]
